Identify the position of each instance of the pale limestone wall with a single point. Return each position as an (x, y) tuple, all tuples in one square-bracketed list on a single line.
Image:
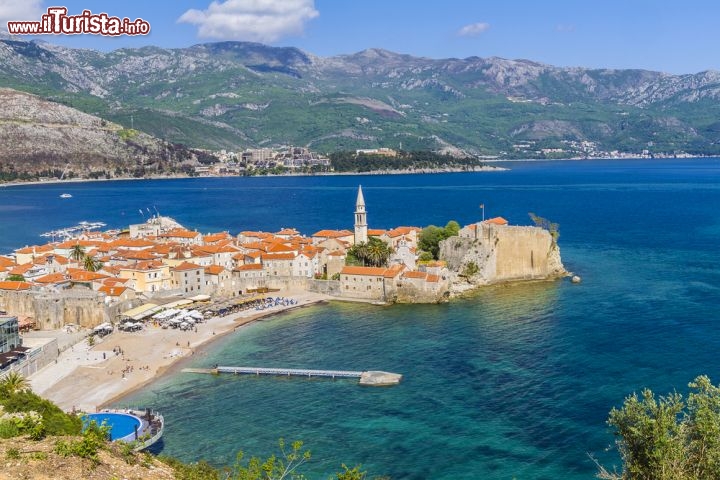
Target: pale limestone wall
[(53, 310), (328, 287), (413, 292), (522, 253), (502, 253), (363, 286)]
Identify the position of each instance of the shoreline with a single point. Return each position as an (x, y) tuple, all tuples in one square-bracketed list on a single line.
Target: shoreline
[(204, 347), (89, 378), (486, 168)]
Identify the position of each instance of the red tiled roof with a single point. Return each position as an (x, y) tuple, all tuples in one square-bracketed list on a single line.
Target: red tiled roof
[(278, 256), (135, 254), (112, 291), (332, 233), (278, 248), (399, 231), (131, 243), (179, 233), (52, 278), (112, 269), (143, 266), (14, 285), (258, 235), (6, 262), (367, 271), (21, 269), (187, 266), (71, 243), (422, 275), (215, 237), (84, 276), (36, 249), (214, 269), (394, 271), (249, 266), (376, 232), (497, 221)]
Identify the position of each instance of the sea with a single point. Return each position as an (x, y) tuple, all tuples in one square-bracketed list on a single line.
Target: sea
[(512, 381)]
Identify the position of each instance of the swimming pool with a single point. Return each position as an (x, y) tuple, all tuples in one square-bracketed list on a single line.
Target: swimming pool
[(122, 425)]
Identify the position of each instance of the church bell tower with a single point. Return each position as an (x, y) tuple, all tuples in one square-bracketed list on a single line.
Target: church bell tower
[(361, 227)]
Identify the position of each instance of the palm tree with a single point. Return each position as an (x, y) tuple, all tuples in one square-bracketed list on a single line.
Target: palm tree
[(14, 383), (359, 253), (378, 253), (90, 264), (77, 252)]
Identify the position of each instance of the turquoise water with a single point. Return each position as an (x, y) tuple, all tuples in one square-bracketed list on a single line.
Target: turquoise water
[(513, 381), (121, 425)]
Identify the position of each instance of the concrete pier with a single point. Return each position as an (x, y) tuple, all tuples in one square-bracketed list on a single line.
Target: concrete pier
[(368, 378)]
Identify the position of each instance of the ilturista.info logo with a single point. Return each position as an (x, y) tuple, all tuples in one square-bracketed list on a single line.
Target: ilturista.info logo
[(57, 22)]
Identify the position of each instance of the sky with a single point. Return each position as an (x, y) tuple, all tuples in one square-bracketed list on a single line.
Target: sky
[(665, 35)]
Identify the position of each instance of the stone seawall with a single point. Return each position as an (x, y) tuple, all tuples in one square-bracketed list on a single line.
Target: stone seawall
[(52, 311)]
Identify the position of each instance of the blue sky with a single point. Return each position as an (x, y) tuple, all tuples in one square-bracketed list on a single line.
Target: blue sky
[(670, 36)]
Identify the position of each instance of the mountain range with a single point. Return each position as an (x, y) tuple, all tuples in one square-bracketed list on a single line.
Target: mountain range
[(234, 95)]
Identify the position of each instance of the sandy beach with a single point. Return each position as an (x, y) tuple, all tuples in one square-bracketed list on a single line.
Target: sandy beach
[(87, 378)]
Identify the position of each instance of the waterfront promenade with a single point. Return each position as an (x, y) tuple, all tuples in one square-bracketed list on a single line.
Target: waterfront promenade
[(88, 378)]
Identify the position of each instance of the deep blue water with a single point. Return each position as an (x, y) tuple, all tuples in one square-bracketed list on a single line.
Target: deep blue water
[(514, 381)]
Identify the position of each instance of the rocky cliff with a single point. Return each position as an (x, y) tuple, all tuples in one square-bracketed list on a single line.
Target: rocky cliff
[(38, 136), (490, 254)]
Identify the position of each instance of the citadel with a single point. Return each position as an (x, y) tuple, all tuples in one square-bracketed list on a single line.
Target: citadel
[(99, 278)]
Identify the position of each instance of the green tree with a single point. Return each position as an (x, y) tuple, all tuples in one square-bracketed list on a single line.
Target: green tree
[(274, 468), (553, 228), (452, 229), (378, 252), (666, 438), (373, 253), (425, 257), (91, 264), (77, 253), (15, 278), (431, 236), (14, 383), (351, 473), (429, 240)]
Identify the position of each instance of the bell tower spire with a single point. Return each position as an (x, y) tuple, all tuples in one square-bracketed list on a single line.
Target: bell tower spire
[(361, 227)]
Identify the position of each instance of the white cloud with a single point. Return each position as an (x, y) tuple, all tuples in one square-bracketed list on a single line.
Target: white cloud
[(473, 29), (11, 10), (253, 20)]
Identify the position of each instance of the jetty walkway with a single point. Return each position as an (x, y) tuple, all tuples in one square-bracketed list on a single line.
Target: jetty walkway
[(375, 378)]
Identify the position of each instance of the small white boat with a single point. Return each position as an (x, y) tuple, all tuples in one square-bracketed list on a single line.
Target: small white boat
[(65, 195)]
